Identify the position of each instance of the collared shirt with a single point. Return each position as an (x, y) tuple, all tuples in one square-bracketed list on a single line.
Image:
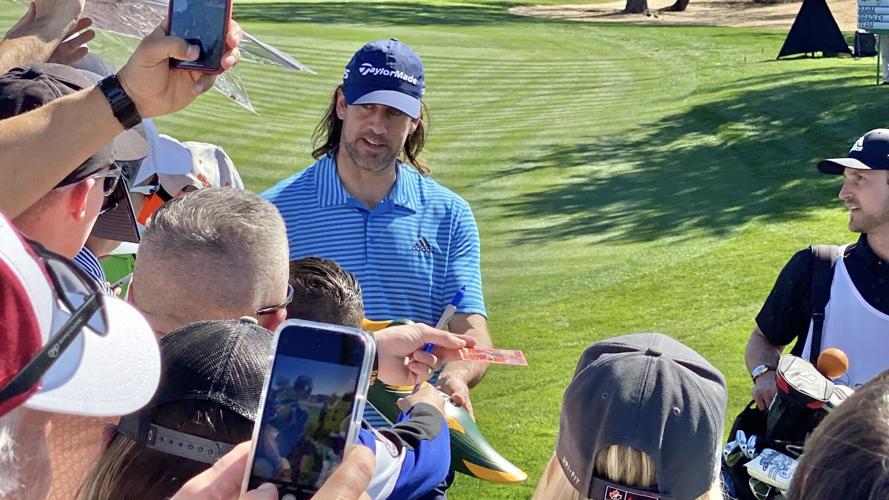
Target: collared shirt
[(88, 261), (787, 311), (410, 253)]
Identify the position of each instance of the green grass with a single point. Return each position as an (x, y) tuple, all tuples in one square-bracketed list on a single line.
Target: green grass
[(624, 178)]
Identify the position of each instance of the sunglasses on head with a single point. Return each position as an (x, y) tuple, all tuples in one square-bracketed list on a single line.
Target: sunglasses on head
[(83, 301)]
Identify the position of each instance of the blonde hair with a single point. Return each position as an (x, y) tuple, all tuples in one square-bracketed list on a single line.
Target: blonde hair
[(618, 463), (131, 471)]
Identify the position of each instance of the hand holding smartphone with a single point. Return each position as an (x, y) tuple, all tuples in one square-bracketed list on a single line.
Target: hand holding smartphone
[(203, 23), (311, 406)]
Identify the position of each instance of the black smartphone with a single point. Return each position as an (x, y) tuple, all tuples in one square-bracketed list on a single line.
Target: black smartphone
[(311, 406), (203, 23)]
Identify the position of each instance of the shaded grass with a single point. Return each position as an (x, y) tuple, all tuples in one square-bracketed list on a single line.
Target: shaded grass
[(625, 178)]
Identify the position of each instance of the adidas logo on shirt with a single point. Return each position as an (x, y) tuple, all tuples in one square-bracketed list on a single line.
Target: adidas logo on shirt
[(422, 245)]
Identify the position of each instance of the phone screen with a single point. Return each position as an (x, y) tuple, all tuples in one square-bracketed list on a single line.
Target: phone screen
[(307, 409), (200, 22)]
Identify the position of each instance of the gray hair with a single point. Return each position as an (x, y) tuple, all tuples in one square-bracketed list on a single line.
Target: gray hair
[(217, 253)]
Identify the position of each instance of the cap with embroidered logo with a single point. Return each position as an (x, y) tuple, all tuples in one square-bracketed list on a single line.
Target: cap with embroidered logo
[(870, 152), (386, 72), (651, 393)]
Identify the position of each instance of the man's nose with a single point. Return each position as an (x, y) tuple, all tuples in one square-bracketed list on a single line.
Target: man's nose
[(845, 191), (378, 120)]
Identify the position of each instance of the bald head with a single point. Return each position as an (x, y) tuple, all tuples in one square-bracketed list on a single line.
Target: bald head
[(212, 254)]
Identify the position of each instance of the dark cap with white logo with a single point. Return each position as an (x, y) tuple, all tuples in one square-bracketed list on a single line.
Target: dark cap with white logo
[(385, 72), (651, 393), (870, 152)]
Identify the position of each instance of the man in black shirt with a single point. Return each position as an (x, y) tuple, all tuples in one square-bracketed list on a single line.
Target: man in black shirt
[(857, 315)]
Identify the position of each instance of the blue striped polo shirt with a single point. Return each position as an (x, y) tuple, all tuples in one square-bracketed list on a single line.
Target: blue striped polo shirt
[(411, 253)]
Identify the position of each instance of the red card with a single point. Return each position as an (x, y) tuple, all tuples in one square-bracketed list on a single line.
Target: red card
[(496, 356)]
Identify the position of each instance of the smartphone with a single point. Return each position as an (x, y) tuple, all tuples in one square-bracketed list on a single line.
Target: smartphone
[(311, 406), (203, 23)]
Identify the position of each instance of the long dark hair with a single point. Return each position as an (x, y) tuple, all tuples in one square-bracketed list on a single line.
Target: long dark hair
[(328, 133)]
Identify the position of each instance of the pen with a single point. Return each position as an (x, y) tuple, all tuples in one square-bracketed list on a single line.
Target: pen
[(446, 316)]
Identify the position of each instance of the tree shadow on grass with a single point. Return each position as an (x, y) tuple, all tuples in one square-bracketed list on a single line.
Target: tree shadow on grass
[(379, 13), (712, 168)]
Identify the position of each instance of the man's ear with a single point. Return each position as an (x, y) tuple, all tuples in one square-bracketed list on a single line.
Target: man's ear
[(340, 104), (415, 122), (78, 198)]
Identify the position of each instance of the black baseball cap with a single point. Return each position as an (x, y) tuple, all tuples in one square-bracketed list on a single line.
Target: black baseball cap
[(870, 152), (28, 88), (652, 393), (223, 362)]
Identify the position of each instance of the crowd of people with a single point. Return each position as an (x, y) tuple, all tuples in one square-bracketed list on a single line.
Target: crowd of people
[(140, 283)]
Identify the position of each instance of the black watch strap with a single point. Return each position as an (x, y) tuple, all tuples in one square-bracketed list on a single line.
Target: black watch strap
[(121, 105)]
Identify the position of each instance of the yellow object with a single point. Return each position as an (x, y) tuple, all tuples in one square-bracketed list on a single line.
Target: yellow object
[(374, 326), (495, 476)]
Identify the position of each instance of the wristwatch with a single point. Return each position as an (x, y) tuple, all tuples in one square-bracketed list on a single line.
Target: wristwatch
[(121, 105), (759, 370)]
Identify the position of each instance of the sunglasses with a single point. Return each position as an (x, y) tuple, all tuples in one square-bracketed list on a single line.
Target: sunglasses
[(282, 305), (110, 178), (84, 302)]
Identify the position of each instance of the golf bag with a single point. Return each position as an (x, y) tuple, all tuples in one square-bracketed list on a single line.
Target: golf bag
[(803, 393)]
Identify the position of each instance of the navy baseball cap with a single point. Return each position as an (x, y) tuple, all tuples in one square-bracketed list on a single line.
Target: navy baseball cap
[(385, 72), (870, 152)]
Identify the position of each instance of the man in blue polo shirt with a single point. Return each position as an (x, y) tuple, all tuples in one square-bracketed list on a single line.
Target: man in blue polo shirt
[(411, 242)]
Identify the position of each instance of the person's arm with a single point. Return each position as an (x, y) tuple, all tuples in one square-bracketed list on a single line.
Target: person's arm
[(761, 351), (457, 377), (71, 129), (414, 455), (37, 34), (783, 318), (464, 269)]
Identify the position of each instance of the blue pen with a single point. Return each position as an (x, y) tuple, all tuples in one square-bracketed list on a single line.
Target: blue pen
[(445, 317)]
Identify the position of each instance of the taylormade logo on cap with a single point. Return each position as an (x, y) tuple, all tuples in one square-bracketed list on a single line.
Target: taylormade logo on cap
[(369, 69), (385, 72)]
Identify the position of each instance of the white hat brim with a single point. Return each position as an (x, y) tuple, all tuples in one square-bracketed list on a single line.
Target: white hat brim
[(103, 375)]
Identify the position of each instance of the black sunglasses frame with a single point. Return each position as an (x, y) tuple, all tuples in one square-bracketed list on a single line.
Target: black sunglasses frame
[(282, 305), (46, 357)]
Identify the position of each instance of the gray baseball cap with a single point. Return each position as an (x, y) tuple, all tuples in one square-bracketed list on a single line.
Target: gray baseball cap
[(652, 393)]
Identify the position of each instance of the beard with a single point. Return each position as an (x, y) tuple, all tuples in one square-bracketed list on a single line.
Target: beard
[(371, 162), (866, 223)]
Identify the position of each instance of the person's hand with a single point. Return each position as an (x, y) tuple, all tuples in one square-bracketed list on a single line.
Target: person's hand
[(47, 19), (351, 477), (23, 26), (427, 394), (155, 88), (223, 480), (458, 390), (764, 390), (74, 47), (402, 360)]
